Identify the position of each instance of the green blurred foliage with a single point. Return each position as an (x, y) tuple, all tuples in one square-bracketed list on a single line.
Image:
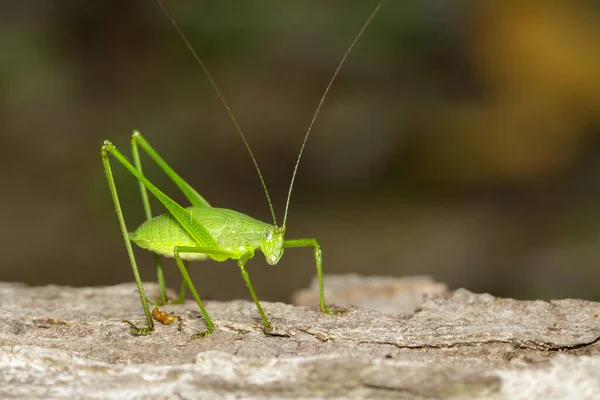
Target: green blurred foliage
[(460, 140)]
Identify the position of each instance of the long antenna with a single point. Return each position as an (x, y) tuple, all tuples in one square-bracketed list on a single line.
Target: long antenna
[(335, 74), (214, 85)]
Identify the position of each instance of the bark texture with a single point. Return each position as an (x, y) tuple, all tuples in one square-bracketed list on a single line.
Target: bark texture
[(424, 342)]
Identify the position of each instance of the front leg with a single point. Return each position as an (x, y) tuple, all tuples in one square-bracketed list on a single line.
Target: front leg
[(318, 256)]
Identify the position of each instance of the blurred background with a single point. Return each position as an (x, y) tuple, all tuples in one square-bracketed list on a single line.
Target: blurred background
[(461, 139)]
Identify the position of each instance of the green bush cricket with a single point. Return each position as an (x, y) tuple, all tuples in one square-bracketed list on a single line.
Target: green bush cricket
[(201, 231)]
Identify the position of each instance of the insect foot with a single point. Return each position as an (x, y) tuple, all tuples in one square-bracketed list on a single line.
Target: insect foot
[(138, 331), (268, 329), (164, 317), (204, 334), (330, 311)]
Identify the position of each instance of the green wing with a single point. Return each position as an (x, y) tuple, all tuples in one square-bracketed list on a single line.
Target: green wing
[(229, 228)]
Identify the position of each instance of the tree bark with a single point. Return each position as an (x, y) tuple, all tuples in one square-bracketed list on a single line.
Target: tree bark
[(62, 342)]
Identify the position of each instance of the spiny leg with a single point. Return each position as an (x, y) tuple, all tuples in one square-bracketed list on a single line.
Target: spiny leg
[(242, 264), (182, 288), (188, 281), (186, 278), (136, 274), (318, 256)]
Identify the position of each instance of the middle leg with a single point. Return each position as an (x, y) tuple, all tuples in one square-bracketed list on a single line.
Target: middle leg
[(188, 281)]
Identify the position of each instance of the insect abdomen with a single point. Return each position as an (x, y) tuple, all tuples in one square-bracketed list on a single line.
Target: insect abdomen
[(162, 234)]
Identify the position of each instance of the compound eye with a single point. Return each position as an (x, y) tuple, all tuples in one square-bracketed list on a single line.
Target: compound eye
[(269, 235)]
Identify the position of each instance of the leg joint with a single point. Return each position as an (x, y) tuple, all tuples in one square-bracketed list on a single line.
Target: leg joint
[(107, 145), (136, 137)]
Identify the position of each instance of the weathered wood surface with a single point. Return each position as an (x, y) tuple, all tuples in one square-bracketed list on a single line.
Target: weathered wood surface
[(62, 342)]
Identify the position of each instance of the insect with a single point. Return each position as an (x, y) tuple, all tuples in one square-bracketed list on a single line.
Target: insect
[(202, 232)]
